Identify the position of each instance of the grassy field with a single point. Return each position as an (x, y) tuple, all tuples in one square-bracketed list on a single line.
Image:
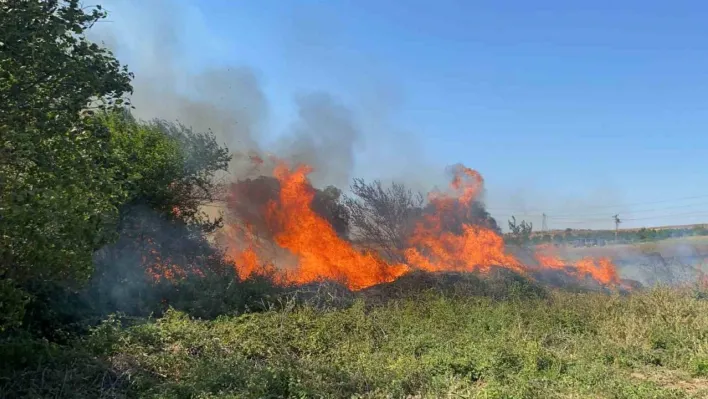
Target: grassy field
[(507, 339)]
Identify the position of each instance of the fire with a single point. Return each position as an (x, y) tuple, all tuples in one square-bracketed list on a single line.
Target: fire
[(445, 238), (476, 248), (601, 269), (158, 267), (245, 255), (468, 182), (434, 248), (322, 253), (547, 261)]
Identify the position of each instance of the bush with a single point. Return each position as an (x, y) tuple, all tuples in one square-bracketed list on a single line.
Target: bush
[(59, 201), (497, 284), (435, 345), (12, 305)]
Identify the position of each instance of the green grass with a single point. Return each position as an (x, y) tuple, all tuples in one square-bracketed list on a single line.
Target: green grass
[(652, 344)]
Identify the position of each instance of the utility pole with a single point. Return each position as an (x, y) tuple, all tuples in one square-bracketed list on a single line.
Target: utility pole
[(617, 223), (544, 224)]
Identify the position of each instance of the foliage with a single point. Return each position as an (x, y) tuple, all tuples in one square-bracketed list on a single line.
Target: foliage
[(649, 344), (75, 180), (519, 233), (167, 167), (167, 172), (49, 70), (383, 218), (12, 305), (59, 202), (80, 174)]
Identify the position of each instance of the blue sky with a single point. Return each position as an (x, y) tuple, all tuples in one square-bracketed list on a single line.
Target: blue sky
[(576, 109)]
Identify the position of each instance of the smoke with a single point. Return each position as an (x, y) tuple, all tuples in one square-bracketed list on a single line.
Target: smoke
[(184, 72), (669, 262), (325, 136), (228, 100), (148, 242)]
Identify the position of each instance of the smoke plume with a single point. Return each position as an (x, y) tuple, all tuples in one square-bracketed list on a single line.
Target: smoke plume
[(227, 100)]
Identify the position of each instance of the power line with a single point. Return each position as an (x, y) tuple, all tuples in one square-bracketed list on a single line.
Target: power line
[(617, 223), (600, 217), (507, 209), (561, 215), (672, 215), (577, 220), (606, 219), (658, 217)]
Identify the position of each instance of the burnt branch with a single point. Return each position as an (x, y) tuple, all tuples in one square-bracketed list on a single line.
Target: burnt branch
[(383, 217)]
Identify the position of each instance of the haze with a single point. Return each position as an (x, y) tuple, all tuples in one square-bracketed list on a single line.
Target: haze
[(576, 111)]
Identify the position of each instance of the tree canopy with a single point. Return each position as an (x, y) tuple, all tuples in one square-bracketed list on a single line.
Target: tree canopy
[(58, 200), (77, 171)]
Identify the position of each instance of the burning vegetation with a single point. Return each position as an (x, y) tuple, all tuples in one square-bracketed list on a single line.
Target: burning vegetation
[(284, 227)]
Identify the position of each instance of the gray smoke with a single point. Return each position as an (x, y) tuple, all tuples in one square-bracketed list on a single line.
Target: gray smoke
[(325, 132), (228, 100), (668, 262), (325, 136)]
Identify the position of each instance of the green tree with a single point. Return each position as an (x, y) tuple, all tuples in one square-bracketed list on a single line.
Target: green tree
[(699, 230), (58, 203), (519, 233), (167, 173), (166, 167)]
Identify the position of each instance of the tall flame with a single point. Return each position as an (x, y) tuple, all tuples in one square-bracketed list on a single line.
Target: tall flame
[(433, 246), (322, 253)]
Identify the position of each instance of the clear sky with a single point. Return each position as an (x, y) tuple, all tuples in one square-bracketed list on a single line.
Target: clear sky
[(577, 109)]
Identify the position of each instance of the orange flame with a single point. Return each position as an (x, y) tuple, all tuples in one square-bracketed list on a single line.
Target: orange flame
[(601, 269), (323, 255), (468, 182), (246, 255), (157, 267), (434, 249), (476, 248)]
